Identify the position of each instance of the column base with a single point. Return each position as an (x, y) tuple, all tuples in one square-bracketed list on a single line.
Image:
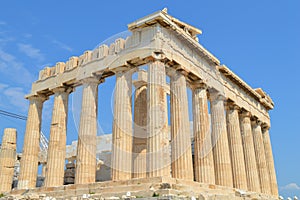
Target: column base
[(168, 188)]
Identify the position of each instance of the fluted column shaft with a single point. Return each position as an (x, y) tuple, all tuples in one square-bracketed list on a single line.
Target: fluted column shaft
[(263, 171), (203, 155), (270, 161), (31, 147), (249, 154), (54, 175), (44, 166), (86, 149), (236, 147), (182, 163), (122, 128), (158, 156), (7, 159), (140, 131), (221, 153)]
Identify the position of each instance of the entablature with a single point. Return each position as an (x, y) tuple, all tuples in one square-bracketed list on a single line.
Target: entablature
[(258, 94)]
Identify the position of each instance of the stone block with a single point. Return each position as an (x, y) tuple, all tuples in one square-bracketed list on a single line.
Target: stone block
[(52, 71), (87, 57), (72, 63), (103, 51), (111, 50), (119, 45), (60, 67)]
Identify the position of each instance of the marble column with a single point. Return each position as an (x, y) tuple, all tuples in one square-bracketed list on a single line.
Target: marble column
[(158, 155), (44, 166), (182, 162), (236, 146), (249, 154), (139, 147), (122, 128), (31, 147), (7, 159), (270, 161), (87, 135), (221, 152), (203, 155), (55, 168), (263, 171)]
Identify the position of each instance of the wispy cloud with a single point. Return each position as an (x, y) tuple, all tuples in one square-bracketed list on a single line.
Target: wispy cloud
[(3, 86), (5, 40), (5, 37), (291, 186), (2, 23), (62, 45), (11, 68), (292, 189), (6, 57), (15, 96), (30, 51)]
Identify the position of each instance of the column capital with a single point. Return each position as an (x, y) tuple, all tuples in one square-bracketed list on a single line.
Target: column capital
[(63, 89), (183, 72), (153, 61), (265, 127), (92, 80), (176, 71), (230, 105), (245, 113), (38, 97), (199, 84), (124, 72), (158, 56), (123, 69), (255, 121), (216, 96)]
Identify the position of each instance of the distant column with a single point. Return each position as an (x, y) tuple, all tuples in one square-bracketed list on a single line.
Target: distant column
[(249, 154), (221, 153), (270, 160), (263, 171), (44, 166), (56, 156), (87, 135), (203, 155), (236, 146), (31, 147), (158, 155), (7, 159), (182, 162), (140, 127), (122, 128)]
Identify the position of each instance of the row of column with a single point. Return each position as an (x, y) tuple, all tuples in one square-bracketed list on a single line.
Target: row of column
[(237, 155), (86, 151), (235, 151), (242, 154)]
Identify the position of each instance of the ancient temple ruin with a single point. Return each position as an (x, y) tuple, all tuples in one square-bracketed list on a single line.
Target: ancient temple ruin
[(231, 157)]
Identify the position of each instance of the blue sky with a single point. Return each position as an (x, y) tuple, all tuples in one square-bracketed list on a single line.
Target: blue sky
[(258, 40)]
